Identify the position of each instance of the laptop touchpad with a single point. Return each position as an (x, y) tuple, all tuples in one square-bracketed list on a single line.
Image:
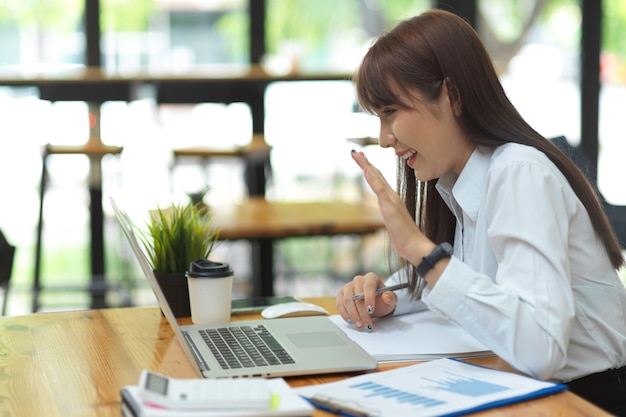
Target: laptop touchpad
[(315, 339)]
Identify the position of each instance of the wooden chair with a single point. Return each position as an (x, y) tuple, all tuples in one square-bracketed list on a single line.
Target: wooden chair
[(7, 253)]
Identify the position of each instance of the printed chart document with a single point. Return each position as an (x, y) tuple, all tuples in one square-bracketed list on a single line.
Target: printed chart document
[(287, 403), (416, 336), (442, 387)]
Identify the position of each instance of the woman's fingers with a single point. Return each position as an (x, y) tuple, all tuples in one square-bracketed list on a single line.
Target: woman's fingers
[(351, 310), (399, 223), (373, 176), (360, 312)]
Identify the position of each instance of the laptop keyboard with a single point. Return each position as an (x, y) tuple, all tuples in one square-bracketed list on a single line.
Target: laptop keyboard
[(245, 347)]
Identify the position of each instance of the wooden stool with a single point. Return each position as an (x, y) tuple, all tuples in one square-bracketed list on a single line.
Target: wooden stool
[(95, 151), (256, 156)]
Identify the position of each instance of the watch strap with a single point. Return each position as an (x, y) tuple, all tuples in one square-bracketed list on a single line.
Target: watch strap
[(443, 250)]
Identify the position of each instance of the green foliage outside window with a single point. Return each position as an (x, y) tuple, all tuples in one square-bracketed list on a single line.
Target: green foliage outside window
[(614, 27), (66, 15)]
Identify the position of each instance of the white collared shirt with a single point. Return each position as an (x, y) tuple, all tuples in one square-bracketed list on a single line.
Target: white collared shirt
[(529, 277)]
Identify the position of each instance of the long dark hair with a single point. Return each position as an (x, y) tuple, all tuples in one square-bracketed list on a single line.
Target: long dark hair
[(436, 47)]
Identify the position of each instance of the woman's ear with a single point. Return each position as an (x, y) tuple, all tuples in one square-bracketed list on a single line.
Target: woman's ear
[(453, 96)]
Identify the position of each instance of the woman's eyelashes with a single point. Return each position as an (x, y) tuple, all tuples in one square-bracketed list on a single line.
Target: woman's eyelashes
[(387, 112)]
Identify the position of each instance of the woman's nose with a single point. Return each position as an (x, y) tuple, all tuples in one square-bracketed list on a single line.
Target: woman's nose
[(386, 139)]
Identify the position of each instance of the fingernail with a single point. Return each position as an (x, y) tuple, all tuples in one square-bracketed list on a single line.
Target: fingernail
[(350, 322), (353, 151), (370, 309), (368, 328), (386, 297), (359, 324)]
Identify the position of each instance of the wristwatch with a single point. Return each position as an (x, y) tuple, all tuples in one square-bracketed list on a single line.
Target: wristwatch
[(443, 250)]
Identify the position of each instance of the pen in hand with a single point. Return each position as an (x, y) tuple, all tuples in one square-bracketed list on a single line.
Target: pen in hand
[(382, 290)]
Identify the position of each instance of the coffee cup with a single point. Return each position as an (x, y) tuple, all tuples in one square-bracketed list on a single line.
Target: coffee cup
[(210, 291)]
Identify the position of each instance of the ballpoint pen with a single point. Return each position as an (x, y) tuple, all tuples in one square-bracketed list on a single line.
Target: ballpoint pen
[(344, 407), (382, 290)]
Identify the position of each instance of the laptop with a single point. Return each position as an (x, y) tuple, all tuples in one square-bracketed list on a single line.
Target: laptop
[(281, 347)]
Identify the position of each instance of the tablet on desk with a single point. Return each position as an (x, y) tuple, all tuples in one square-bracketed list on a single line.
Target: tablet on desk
[(257, 304)]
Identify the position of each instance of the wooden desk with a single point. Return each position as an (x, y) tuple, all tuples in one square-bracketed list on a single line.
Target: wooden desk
[(209, 84), (364, 141), (261, 222), (257, 147), (74, 364)]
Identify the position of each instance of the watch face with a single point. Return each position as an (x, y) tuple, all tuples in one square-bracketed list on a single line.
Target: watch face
[(156, 383)]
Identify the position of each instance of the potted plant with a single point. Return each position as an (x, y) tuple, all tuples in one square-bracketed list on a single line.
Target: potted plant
[(176, 236)]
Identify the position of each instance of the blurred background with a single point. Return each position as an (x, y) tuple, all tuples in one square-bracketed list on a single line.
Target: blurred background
[(535, 44)]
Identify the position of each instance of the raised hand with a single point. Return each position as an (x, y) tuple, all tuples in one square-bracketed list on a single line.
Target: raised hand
[(404, 233)]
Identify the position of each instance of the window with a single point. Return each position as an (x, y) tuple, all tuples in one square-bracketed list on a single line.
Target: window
[(535, 46), (612, 147), (173, 35), (328, 35)]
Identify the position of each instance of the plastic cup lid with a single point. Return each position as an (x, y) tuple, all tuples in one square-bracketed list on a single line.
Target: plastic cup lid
[(203, 268)]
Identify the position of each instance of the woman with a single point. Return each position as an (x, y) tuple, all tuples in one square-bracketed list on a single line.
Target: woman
[(530, 268)]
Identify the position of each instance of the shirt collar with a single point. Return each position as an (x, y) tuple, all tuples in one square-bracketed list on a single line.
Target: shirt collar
[(467, 190)]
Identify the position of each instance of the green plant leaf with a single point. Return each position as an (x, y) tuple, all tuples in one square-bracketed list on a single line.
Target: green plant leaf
[(177, 235)]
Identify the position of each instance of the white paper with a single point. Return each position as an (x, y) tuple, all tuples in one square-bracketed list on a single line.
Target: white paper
[(435, 388), (416, 336)]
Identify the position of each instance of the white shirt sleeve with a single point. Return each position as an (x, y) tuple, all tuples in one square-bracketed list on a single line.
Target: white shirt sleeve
[(524, 313)]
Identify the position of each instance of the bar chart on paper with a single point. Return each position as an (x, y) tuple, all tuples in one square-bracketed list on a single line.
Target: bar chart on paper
[(473, 387), (372, 390), (436, 388), (452, 383)]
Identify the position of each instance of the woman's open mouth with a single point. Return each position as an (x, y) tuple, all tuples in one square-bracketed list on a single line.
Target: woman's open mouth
[(410, 157)]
